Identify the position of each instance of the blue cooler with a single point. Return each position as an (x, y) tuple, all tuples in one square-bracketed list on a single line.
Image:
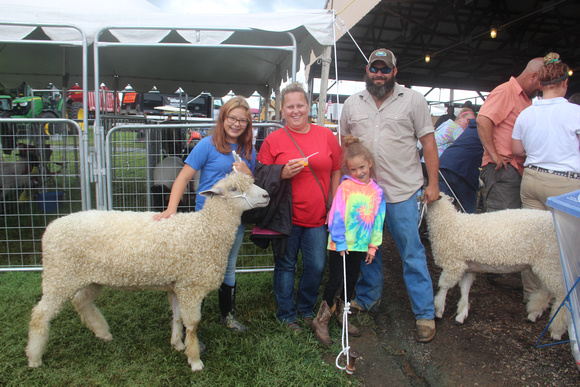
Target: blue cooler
[(566, 211)]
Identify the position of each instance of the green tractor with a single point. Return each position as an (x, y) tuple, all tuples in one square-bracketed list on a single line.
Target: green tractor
[(5, 105), (41, 103)]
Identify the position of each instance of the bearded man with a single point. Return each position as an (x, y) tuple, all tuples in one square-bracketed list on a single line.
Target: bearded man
[(389, 119)]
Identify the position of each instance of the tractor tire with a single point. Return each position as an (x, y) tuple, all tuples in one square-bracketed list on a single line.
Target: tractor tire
[(76, 112), (50, 129)]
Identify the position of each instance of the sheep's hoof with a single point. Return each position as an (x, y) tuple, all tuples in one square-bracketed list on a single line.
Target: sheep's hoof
[(534, 316), (105, 336), (34, 364), (556, 336), (460, 319), (196, 365), (178, 345), (438, 313)]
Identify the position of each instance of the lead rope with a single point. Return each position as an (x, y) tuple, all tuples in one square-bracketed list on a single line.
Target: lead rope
[(345, 347)]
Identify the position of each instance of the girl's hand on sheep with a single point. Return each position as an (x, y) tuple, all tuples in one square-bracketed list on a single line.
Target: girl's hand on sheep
[(369, 258), (242, 168), (164, 215), (291, 169)]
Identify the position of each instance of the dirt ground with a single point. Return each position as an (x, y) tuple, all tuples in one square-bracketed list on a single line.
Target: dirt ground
[(494, 347)]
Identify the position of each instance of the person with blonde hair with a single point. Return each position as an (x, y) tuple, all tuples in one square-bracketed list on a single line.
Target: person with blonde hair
[(307, 158), (355, 223), (449, 130), (213, 157), (546, 134)]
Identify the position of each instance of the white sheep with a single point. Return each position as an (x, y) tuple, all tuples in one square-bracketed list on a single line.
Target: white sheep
[(185, 254), (496, 242)]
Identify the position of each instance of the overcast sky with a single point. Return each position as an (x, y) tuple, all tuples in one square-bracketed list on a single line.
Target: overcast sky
[(236, 6)]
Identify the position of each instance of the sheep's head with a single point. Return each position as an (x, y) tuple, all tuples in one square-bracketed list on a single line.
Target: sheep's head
[(239, 187)]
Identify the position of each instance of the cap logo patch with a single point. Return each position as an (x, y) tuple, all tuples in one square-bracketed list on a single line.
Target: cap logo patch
[(381, 53)]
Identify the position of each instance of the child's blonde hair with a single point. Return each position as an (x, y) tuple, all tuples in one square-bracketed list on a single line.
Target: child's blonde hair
[(352, 148)]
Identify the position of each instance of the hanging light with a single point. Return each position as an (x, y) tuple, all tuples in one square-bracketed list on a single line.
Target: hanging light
[(427, 58), (570, 72), (493, 32)]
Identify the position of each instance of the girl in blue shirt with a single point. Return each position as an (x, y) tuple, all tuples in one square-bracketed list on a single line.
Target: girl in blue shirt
[(213, 158)]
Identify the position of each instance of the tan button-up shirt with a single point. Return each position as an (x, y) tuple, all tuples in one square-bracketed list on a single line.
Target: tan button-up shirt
[(391, 133)]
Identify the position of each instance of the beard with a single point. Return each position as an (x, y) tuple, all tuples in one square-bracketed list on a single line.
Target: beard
[(379, 91)]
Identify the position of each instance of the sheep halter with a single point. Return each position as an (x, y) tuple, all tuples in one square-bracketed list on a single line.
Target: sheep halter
[(245, 197)]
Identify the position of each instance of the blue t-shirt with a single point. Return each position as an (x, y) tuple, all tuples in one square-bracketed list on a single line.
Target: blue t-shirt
[(212, 165)]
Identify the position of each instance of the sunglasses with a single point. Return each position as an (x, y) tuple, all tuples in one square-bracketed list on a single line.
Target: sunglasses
[(384, 70)]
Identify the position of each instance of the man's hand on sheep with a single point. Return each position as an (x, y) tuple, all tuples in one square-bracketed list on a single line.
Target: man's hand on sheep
[(431, 193)]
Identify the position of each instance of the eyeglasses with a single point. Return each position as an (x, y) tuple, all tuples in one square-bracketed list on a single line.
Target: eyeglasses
[(232, 121), (383, 70)]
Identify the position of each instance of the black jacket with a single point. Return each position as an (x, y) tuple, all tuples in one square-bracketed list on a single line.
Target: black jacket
[(277, 216)]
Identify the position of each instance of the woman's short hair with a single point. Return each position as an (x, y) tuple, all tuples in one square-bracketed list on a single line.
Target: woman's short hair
[(293, 88)]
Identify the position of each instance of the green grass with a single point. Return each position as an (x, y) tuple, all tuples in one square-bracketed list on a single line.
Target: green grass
[(140, 353)]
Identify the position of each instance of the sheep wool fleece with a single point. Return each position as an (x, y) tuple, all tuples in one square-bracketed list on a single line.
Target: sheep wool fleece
[(185, 255)]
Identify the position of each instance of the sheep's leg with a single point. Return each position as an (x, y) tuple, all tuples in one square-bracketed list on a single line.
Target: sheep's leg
[(463, 305), (42, 314), (447, 280), (190, 308), (83, 302), (177, 324), (539, 301), (559, 324), (439, 302)]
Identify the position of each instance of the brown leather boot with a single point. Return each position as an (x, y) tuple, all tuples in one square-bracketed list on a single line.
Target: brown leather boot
[(352, 330), (320, 325)]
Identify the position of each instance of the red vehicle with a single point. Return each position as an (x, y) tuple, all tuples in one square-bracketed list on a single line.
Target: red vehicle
[(74, 102)]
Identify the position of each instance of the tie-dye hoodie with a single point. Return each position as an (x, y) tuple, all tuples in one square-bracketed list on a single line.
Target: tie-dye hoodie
[(356, 217)]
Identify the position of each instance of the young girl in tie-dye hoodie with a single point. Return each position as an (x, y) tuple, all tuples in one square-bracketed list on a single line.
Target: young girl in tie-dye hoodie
[(355, 223)]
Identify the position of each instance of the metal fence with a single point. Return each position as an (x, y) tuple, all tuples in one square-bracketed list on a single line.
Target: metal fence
[(42, 173), (51, 170), (142, 163)]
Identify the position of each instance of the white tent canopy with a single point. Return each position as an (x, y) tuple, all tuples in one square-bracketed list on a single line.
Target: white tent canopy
[(141, 45)]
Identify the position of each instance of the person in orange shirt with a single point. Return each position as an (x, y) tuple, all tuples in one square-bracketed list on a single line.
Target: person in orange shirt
[(501, 170)]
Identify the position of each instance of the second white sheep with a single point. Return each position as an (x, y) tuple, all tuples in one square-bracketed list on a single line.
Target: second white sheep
[(496, 242)]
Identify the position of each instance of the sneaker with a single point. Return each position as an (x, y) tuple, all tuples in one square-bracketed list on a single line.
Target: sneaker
[(232, 324), (425, 330)]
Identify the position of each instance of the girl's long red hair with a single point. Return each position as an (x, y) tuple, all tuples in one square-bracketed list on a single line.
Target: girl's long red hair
[(219, 139)]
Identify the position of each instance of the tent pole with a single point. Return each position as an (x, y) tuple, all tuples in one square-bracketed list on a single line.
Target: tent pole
[(278, 105), (324, 73)]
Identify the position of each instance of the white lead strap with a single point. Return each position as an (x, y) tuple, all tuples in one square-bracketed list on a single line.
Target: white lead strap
[(345, 347)]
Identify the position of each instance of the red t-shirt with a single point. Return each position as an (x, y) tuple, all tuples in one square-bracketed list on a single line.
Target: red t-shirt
[(308, 205)]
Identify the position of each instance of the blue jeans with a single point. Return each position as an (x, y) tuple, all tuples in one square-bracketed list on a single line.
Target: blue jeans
[(230, 277), (402, 220), (369, 286), (312, 243)]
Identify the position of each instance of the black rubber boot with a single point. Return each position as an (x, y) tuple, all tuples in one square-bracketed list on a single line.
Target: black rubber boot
[(227, 301)]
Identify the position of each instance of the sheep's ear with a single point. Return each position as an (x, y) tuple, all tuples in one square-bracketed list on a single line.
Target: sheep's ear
[(213, 191)]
